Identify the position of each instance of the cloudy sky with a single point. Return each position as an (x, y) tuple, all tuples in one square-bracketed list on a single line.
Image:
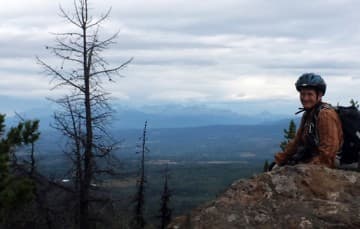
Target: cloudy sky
[(243, 55)]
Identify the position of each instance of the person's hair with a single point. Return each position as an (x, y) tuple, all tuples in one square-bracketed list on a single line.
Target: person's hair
[(316, 89)]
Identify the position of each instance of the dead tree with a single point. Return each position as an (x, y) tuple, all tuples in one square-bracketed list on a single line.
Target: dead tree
[(85, 110), (165, 210), (138, 220)]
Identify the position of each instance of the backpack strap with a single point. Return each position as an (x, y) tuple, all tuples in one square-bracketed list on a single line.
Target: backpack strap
[(313, 130), (301, 109), (313, 133)]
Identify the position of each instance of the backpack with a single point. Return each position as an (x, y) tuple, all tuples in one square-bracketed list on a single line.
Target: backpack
[(350, 121)]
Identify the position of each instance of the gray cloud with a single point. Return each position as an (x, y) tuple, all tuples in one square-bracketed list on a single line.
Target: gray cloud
[(321, 65), (197, 51)]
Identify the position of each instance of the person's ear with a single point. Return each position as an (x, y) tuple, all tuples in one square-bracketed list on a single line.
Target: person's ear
[(319, 95)]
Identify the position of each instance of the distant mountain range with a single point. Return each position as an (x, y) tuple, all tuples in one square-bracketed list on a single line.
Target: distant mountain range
[(218, 142), (160, 116), (173, 116), (177, 131)]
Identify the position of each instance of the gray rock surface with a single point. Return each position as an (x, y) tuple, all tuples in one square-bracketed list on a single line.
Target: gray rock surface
[(301, 196)]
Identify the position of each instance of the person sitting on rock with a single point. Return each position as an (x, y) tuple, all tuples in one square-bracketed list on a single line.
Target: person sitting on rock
[(319, 137)]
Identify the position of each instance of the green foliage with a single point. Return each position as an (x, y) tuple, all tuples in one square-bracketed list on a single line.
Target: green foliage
[(354, 103), (14, 137), (289, 134), (24, 134), (266, 166), (2, 124), (4, 148), (15, 191), (30, 133)]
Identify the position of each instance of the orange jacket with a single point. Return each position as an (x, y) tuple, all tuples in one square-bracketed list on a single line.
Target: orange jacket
[(330, 138)]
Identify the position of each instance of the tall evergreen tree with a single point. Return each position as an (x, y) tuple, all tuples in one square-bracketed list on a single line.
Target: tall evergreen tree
[(15, 190), (30, 134), (266, 166), (289, 134)]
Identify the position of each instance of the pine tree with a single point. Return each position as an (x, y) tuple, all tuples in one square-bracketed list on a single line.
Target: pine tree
[(354, 103), (165, 211), (266, 166), (15, 191), (289, 134)]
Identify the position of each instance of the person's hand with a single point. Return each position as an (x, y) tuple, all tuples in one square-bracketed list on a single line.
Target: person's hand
[(320, 159), (280, 158), (316, 160), (273, 166)]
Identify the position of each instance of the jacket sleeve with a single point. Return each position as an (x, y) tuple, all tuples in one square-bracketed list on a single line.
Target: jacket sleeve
[(290, 149), (330, 137)]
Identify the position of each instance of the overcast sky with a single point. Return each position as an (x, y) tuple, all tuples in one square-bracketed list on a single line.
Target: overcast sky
[(232, 54)]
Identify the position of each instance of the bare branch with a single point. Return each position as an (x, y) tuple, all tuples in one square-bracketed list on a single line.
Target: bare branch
[(107, 71), (102, 18), (58, 74), (67, 17), (66, 34)]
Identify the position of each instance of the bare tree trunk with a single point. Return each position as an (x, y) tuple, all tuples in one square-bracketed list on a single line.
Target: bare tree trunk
[(165, 211), (85, 186), (138, 221), (86, 109)]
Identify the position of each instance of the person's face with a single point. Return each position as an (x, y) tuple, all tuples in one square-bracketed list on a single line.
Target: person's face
[(309, 98)]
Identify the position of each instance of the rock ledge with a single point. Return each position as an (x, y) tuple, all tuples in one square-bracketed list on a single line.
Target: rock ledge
[(301, 196)]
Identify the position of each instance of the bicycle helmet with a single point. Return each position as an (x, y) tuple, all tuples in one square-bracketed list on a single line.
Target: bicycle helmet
[(311, 80)]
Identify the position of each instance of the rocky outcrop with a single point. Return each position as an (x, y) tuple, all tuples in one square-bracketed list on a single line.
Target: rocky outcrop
[(302, 196)]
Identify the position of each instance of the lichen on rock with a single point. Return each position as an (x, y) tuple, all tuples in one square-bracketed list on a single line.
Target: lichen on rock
[(301, 196)]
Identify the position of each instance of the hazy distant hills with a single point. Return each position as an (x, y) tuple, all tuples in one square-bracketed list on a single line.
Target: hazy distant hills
[(179, 132), (160, 116), (223, 142), (186, 116), (218, 142)]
